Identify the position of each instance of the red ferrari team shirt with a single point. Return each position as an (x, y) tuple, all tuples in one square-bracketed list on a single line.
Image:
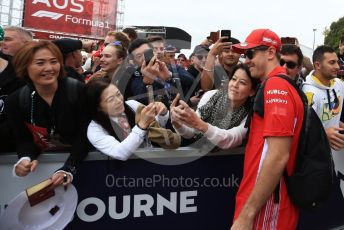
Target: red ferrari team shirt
[(283, 116)]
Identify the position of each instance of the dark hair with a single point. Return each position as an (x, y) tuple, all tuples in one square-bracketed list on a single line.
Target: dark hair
[(136, 44), (290, 49), (234, 41), (131, 32), (319, 52), (155, 38), (183, 56), (191, 55), (94, 89), (23, 58), (244, 67)]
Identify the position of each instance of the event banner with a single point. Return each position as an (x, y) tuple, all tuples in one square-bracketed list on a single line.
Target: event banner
[(53, 36), (140, 194), (84, 17), (137, 194)]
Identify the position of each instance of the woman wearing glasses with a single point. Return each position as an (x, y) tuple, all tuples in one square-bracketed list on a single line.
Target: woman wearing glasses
[(112, 130), (221, 114), (291, 59)]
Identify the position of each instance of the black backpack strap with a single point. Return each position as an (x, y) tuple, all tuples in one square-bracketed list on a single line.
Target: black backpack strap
[(72, 89), (258, 107), (24, 96)]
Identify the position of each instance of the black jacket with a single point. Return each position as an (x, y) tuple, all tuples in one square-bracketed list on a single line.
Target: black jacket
[(65, 117), (71, 72), (8, 84)]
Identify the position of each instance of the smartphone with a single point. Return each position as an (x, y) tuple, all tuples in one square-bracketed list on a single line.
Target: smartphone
[(176, 81), (214, 36), (150, 93), (226, 33), (148, 54), (288, 40)]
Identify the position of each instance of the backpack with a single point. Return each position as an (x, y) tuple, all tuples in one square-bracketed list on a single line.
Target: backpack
[(72, 87), (311, 182)]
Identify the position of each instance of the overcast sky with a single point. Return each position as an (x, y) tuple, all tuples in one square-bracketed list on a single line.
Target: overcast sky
[(293, 18)]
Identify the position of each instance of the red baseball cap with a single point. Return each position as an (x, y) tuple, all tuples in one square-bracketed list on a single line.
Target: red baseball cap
[(259, 37)]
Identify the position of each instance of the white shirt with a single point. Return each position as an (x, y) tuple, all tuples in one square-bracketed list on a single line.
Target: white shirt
[(110, 146)]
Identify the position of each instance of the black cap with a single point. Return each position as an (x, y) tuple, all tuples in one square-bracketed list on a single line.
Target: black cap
[(67, 45)]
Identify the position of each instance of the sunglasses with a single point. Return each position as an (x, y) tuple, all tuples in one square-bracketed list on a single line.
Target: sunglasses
[(200, 56), (115, 43), (252, 52), (289, 64)]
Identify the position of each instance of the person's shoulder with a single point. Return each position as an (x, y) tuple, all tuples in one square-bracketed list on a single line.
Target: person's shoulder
[(219, 69), (280, 86), (308, 87), (277, 82), (136, 72), (210, 93), (70, 80), (71, 89), (339, 81), (93, 124), (15, 94), (206, 97), (182, 72), (19, 98), (133, 104), (94, 129)]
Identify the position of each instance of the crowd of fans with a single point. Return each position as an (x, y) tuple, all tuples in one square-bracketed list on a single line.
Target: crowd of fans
[(118, 93)]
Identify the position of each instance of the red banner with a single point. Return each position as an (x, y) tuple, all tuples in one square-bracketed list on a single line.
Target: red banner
[(81, 17)]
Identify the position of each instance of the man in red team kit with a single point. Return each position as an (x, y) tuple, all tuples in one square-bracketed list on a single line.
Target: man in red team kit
[(272, 143)]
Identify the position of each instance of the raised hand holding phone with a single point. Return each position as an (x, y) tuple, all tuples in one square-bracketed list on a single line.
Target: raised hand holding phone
[(226, 33), (174, 113)]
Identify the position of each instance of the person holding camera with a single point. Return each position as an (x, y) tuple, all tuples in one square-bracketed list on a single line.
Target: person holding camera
[(148, 71), (221, 114), (213, 75), (116, 129)]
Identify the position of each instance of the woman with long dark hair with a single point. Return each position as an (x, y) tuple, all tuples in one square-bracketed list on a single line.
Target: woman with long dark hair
[(113, 130), (221, 114)]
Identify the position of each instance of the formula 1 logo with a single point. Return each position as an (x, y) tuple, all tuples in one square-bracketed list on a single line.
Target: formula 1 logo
[(47, 14)]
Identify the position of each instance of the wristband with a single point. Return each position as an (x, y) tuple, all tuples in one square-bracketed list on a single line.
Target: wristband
[(141, 127), (208, 70)]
